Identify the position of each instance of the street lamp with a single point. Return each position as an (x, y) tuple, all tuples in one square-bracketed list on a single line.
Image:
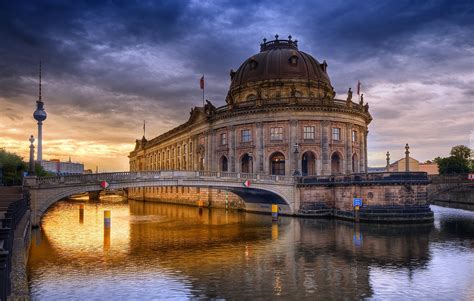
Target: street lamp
[(296, 152), (31, 169)]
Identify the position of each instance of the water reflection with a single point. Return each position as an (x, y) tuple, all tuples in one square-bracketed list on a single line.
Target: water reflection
[(159, 250)]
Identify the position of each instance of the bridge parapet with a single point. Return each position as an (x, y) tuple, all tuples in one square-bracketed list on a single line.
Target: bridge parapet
[(369, 178), (150, 175)]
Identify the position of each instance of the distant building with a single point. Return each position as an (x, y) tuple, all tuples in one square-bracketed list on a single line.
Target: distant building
[(58, 167), (430, 168), (376, 169), (400, 165)]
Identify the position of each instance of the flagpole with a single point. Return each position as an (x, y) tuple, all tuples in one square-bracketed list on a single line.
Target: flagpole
[(203, 96)]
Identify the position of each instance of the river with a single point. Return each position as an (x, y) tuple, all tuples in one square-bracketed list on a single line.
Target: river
[(159, 251)]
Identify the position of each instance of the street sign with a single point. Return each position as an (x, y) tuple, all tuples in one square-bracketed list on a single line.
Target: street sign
[(471, 176), (247, 183), (104, 184), (357, 202)]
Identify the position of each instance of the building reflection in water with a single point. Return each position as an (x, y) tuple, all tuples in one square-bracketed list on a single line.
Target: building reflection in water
[(227, 254)]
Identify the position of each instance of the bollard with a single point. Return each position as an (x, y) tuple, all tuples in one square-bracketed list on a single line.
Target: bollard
[(81, 213), (274, 212), (356, 214), (107, 219)]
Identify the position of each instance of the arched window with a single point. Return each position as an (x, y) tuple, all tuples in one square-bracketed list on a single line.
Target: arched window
[(308, 164), (251, 97), (223, 163), (277, 164), (355, 163), (336, 163), (246, 164)]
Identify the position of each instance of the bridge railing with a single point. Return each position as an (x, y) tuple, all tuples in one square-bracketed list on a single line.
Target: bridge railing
[(454, 178), (380, 177), (163, 174)]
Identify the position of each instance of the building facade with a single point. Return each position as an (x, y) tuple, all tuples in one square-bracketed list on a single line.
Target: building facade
[(58, 167), (281, 118)]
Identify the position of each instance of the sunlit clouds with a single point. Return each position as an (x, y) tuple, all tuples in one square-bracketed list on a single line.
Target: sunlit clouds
[(107, 67)]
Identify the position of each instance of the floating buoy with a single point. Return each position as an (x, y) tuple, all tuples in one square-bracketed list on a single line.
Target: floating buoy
[(104, 184), (247, 183)]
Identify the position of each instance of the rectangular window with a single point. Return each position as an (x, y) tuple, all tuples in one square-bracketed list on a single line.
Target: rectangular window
[(336, 134), (224, 139), (308, 132), (354, 136), (276, 133), (246, 136)]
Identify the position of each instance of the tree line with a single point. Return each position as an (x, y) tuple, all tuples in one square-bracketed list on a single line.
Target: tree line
[(459, 162), (12, 168)]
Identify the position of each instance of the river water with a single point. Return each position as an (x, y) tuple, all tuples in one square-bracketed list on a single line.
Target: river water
[(160, 251)]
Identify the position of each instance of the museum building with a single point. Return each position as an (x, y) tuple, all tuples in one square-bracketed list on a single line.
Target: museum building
[(281, 118)]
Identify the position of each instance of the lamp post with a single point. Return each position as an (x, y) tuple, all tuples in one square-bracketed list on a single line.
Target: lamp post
[(407, 158), (296, 151), (31, 167), (388, 161)]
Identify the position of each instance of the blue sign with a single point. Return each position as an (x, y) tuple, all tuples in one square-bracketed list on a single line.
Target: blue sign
[(357, 202)]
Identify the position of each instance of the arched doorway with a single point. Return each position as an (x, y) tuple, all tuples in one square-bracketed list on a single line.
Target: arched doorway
[(246, 164), (355, 163), (336, 163), (223, 163), (308, 164), (277, 164)]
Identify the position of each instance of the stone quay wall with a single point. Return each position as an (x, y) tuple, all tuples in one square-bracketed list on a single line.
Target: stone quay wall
[(193, 196)]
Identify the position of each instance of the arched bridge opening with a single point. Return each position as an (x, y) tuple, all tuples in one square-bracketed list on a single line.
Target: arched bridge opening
[(260, 189)]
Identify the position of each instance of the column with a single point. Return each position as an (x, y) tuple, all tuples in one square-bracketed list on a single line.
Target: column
[(325, 126), (362, 150), (348, 148), (212, 162), (293, 139), (232, 142), (365, 147), (208, 151), (259, 151)]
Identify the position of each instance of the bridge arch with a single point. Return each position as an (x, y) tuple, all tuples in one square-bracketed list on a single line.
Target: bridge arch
[(260, 192)]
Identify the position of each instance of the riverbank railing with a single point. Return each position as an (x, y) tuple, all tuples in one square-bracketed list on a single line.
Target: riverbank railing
[(367, 178), (11, 213)]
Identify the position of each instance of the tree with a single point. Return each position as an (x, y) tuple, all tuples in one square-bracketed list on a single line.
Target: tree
[(452, 165), (459, 161), (12, 168), (461, 151)]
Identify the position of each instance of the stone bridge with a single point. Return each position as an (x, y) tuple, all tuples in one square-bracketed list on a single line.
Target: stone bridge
[(451, 188), (45, 191)]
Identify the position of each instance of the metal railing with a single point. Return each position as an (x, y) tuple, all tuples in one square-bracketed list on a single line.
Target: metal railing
[(381, 177), (160, 174), (11, 215)]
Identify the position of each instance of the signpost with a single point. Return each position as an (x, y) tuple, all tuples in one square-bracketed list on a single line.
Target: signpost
[(471, 176), (356, 203)]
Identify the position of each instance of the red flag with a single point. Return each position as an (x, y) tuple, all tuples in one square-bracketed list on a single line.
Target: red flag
[(358, 87), (201, 82)]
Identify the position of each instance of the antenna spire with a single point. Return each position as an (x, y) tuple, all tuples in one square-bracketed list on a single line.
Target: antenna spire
[(40, 81)]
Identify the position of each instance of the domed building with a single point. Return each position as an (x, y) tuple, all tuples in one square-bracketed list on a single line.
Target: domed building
[(281, 118)]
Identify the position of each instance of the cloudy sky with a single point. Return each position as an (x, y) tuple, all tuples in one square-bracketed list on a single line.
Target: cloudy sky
[(109, 65)]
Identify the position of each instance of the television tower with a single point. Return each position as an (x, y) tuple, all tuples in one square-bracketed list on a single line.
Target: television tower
[(40, 116)]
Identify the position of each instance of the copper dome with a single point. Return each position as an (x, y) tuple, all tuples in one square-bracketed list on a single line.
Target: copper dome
[(280, 60)]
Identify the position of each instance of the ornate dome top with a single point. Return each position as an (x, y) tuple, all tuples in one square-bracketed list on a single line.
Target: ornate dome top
[(280, 61)]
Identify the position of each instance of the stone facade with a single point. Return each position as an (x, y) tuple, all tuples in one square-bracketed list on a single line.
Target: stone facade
[(281, 118)]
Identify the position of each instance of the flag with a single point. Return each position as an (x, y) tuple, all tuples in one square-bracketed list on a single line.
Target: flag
[(143, 128), (201, 82), (358, 87)]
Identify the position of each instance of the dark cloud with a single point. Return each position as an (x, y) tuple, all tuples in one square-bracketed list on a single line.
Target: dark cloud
[(115, 63)]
